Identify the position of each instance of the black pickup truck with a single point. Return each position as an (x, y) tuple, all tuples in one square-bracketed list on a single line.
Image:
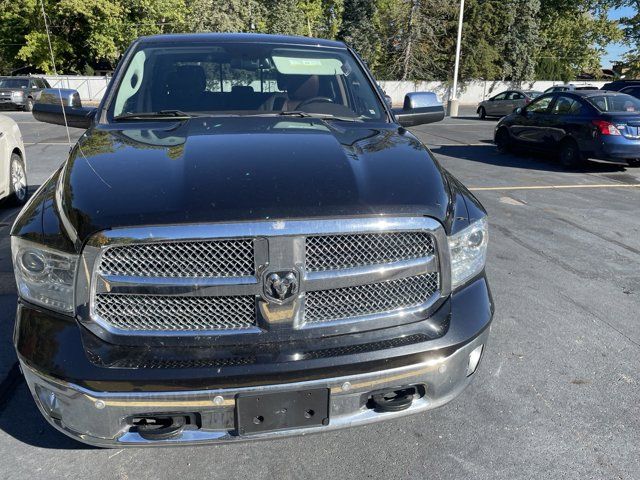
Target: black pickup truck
[(245, 243)]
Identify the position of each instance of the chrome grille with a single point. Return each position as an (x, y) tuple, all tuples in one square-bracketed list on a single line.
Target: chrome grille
[(162, 313), (334, 252), (375, 298), (221, 258), (192, 279)]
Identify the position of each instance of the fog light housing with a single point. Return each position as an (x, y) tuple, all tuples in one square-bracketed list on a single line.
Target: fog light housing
[(474, 359), (49, 401)]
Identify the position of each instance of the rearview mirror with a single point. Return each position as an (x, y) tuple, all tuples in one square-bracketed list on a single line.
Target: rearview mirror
[(53, 102), (419, 108)]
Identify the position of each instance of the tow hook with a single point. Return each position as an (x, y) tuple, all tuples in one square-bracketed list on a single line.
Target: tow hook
[(392, 400), (159, 428)]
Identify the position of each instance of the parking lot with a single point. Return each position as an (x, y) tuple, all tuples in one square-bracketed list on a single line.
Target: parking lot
[(557, 394)]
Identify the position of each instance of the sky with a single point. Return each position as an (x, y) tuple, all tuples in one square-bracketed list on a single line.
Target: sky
[(616, 50)]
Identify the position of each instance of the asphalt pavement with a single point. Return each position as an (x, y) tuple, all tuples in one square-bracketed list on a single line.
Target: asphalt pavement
[(557, 394)]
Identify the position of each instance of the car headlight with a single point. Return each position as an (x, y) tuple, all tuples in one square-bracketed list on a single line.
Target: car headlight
[(44, 276), (468, 249), (17, 95)]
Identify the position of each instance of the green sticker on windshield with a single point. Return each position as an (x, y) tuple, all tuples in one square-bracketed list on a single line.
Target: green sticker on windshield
[(295, 65)]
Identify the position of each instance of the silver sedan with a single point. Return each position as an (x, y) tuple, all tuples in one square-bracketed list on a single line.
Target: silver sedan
[(505, 102)]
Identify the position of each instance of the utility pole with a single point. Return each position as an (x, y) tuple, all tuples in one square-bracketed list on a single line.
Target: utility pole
[(452, 107)]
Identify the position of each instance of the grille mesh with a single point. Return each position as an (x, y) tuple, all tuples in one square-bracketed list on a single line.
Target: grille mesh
[(219, 258), (350, 302), (159, 312), (334, 252)]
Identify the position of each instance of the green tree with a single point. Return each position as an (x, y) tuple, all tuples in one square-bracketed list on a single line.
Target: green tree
[(416, 38), (573, 37), (630, 34), (481, 52), (520, 40), (360, 29), (83, 32), (283, 17), (227, 16)]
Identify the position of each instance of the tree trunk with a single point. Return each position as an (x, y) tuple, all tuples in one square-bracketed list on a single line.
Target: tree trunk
[(408, 50)]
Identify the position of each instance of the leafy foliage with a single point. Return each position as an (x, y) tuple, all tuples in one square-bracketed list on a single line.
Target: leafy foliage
[(631, 35), (399, 39)]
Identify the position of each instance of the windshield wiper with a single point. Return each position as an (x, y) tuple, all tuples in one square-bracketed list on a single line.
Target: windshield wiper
[(294, 113), (321, 116), (161, 114)]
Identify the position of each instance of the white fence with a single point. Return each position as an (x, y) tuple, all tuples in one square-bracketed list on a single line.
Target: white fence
[(469, 93), (92, 89)]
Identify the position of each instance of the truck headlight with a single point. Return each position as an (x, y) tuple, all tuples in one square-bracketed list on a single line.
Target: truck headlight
[(468, 250), (17, 95), (44, 276)]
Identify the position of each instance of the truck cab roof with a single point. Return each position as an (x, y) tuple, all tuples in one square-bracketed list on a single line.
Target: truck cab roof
[(241, 37)]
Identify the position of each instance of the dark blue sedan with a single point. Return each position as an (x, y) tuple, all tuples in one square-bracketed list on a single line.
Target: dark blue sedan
[(576, 125)]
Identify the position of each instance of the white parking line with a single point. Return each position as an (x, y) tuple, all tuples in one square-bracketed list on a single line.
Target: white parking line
[(555, 187), (479, 144)]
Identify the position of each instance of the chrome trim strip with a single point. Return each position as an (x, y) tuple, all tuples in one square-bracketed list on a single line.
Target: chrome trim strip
[(278, 245), (183, 286), (331, 279)]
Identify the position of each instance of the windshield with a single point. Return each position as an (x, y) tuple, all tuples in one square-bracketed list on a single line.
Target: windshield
[(245, 79), (13, 83), (615, 103)]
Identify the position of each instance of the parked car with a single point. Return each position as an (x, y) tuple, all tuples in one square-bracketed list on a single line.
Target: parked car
[(569, 87), (215, 264), (633, 90), (21, 92), (505, 102), (576, 125), (13, 172), (618, 85)]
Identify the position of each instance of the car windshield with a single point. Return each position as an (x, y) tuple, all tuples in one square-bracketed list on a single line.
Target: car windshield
[(615, 103), (13, 83), (245, 79)]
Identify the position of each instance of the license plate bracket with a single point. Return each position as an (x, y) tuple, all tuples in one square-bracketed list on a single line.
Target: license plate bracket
[(257, 413)]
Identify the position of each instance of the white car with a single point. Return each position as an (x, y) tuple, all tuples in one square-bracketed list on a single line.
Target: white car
[(13, 171)]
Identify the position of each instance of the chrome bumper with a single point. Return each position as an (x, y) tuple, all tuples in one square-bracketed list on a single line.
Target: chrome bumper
[(100, 418)]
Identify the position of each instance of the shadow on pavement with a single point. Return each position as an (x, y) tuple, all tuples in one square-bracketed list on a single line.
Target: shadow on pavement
[(532, 161), (474, 117), (21, 419)]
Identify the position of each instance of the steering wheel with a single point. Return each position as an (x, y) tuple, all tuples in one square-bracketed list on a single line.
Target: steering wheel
[(314, 100)]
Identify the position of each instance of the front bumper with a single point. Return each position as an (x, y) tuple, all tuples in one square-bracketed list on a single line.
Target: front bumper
[(103, 418), (8, 103), (94, 403)]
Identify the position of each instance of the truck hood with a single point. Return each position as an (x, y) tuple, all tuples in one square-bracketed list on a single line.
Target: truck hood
[(246, 168)]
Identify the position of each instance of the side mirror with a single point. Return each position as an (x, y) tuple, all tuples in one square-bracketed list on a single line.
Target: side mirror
[(419, 108), (388, 100), (520, 111), (53, 101)]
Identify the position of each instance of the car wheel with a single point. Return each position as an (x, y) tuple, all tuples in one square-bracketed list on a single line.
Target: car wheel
[(503, 141), (482, 113), (570, 155), (634, 163), (29, 105), (18, 180)]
